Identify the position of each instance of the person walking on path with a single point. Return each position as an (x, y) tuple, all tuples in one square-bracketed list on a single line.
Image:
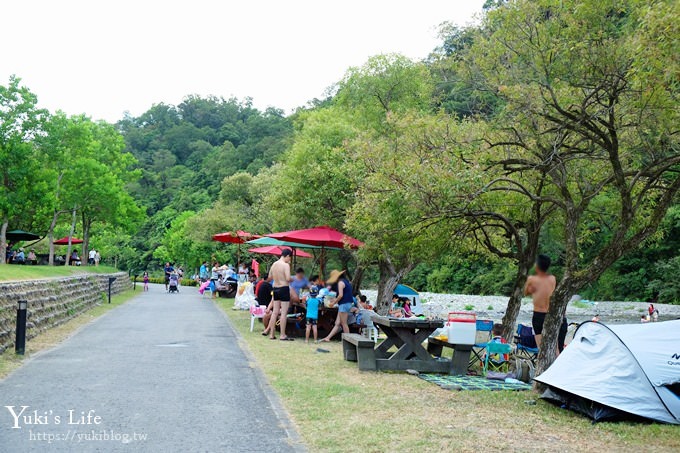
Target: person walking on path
[(146, 281), (541, 287), (344, 301), (280, 274)]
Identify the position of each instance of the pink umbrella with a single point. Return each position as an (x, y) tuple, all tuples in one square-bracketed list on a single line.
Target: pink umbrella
[(275, 250)]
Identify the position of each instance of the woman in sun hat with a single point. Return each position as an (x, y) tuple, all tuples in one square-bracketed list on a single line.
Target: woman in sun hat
[(344, 301)]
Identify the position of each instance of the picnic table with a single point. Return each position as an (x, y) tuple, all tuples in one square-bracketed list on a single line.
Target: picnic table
[(408, 336)]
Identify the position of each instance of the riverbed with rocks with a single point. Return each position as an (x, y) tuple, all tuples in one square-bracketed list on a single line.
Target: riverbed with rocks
[(493, 307)]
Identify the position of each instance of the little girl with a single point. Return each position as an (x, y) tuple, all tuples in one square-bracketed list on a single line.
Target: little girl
[(146, 281)]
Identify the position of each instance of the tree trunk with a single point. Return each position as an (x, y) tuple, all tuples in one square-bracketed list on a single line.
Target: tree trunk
[(357, 279), (388, 281), (515, 301), (70, 237), (86, 238), (50, 235), (3, 241)]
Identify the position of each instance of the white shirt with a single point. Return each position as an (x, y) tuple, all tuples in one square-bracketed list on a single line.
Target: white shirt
[(93, 253)]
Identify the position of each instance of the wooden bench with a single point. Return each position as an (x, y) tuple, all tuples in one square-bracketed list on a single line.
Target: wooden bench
[(357, 348)]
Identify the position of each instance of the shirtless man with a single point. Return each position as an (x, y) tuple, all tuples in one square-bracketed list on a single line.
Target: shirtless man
[(280, 274), (541, 287)]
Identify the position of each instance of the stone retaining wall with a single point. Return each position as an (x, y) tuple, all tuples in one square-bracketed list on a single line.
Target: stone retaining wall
[(52, 302)]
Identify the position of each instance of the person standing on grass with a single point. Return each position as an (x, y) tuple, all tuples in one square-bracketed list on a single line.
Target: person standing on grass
[(312, 307), (541, 287), (344, 301), (280, 274)]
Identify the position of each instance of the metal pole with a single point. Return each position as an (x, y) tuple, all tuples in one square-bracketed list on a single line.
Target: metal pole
[(20, 343), (111, 280)]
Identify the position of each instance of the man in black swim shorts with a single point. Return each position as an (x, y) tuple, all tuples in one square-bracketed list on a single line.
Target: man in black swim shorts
[(541, 287), (280, 274)]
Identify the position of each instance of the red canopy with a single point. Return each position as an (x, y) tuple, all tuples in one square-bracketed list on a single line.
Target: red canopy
[(64, 241), (322, 236), (238, 237), (276, 250)]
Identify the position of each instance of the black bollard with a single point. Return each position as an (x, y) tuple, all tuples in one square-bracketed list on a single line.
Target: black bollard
[(134, 282), (111, 280), (20, 343)]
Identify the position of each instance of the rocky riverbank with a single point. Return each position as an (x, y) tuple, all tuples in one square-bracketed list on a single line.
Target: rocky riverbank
[(493, 307)]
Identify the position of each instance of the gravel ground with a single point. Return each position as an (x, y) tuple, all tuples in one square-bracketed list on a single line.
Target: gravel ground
[(493, 307)]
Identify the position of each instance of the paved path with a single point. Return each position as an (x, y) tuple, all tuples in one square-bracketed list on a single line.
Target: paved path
[(163, 372)]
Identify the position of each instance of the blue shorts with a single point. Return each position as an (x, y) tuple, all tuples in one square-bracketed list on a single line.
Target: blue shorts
[(344, 308)]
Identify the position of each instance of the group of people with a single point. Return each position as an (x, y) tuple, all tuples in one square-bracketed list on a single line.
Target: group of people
[(172, 276), (18, 256), (401, 307), (651, 316), (222, 277), (279, 289)]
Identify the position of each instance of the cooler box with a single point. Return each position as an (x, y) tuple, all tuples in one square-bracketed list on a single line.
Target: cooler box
[(462, 327)]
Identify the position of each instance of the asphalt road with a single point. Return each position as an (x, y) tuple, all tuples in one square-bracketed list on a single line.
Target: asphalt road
[(162, 373)]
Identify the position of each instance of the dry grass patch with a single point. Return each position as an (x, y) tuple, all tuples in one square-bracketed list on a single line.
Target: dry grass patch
[(9, 361), (339, 408)]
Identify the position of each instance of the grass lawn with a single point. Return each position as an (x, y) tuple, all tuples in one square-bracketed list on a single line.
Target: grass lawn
[(11, 272), (9, 361), (339, 408)]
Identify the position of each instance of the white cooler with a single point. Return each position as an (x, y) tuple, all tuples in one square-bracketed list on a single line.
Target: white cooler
[(462, 327)]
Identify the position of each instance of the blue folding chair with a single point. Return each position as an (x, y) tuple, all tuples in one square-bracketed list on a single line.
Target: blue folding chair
[(483, 325), (525, 343), (494, 350)]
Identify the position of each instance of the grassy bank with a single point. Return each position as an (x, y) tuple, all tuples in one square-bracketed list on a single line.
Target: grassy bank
[(11, 272), (339, 408), (9, 361)]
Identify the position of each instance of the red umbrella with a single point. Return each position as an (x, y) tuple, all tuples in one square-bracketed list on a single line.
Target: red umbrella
[(64, 241), (322, 236), (275, 250), (238, 237)]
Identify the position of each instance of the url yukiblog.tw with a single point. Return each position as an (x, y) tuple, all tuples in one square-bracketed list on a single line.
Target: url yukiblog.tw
[(86, 436)]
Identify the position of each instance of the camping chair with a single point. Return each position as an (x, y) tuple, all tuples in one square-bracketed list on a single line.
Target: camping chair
[(493, 348), (526, 344), (369, 330), (484, 326), (256, 311)]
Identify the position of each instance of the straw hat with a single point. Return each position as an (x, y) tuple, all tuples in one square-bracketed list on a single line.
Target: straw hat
[(335, 275)]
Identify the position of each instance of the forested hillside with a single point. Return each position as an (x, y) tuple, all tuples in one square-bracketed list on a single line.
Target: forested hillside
[(186, 151)]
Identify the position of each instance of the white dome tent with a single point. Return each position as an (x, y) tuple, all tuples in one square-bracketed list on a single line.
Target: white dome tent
[(618, 371)]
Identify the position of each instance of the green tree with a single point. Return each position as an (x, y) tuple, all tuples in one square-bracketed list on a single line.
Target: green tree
[(22, 179), (591, 103)]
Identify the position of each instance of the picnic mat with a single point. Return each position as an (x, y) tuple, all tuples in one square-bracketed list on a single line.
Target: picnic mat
[(471, 383)]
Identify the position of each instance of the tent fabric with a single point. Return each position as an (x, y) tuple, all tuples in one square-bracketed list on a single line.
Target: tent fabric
[(407, 291), (629, 368), (404, 290)]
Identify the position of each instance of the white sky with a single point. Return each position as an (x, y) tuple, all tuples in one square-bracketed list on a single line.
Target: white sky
[(103, 57)]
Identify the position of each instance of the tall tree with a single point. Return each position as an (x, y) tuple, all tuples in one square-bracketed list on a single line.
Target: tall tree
[(20, 123), (590, 92)]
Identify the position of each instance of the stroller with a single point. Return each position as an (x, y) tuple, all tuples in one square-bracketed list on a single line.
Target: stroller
[(173, 283)]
